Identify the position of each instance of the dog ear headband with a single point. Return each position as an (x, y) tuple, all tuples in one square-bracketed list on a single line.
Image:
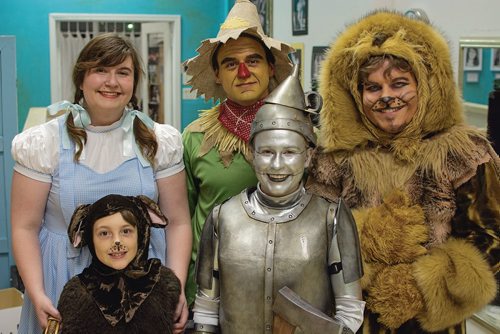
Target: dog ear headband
[(144, 209)]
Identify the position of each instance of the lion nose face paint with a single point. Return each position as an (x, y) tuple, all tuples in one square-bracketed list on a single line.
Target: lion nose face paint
[(388, 103), (243, 71), (118, 247)]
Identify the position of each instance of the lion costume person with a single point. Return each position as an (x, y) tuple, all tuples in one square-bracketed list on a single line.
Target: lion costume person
[(111, 296), (423, 186)]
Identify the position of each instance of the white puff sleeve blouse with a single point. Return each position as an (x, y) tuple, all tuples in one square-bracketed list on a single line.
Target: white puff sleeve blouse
[(36, 150)]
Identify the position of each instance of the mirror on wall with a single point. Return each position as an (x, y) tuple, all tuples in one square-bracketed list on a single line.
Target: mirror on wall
[(478, 66)]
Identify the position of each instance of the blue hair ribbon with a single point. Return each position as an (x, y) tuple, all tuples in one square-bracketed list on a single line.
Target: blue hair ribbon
[(81, 119)]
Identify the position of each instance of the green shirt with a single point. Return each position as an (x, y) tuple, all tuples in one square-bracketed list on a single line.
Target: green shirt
[(209, 183)]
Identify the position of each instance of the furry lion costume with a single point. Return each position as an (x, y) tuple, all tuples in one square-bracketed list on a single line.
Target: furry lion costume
[(425, 199)]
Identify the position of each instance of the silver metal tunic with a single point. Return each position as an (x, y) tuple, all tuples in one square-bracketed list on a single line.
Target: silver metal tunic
[(263, 256)]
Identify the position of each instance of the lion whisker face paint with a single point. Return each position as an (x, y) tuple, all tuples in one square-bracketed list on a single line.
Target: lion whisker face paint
[(390, 98)]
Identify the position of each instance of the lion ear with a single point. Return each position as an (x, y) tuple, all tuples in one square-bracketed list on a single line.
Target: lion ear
[(158, 219), (77, 225)]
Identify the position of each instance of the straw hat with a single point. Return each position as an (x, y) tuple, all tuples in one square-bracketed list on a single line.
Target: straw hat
[(243, 18)]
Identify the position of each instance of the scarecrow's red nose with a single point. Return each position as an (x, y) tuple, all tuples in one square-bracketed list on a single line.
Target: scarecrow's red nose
[(243, 71)]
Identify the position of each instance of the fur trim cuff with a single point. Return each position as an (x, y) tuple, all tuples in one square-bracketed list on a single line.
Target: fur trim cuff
[(455, 281)]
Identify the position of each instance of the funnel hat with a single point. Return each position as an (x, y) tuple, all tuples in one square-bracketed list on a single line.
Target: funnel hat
[(288, 108), (242, 18)]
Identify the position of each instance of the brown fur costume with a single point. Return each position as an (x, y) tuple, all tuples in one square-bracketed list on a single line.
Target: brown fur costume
[(81, 314), (140, 298), (425, 199)]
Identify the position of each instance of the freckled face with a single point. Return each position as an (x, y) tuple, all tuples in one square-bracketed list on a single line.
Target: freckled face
[(115, 241), (280, 157), (390, 101), (244, 72)]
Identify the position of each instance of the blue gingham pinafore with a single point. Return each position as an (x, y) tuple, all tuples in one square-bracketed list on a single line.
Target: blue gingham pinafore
[(74, 184)]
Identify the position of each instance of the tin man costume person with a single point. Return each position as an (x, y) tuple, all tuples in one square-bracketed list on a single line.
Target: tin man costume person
[(275, 247)]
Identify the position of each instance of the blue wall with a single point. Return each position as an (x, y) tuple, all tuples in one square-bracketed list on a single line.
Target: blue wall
[(28, 20)]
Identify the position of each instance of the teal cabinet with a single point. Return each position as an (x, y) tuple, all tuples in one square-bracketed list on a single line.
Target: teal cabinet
[(8, 129)]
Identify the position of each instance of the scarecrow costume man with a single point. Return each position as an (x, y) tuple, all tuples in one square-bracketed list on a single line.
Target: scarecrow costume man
[(138, 298), (422, 185), (239, 67)]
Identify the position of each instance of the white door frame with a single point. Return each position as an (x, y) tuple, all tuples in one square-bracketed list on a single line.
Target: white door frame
[(164, 30), (174, 112)]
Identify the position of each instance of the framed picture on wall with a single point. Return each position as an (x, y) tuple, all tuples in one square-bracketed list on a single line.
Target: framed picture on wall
[(495, 59), (318, 55), (298, 58), (265, 10), (473, 58), (299, 17)]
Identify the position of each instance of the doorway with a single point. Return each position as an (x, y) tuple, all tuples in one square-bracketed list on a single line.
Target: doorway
[(157, 40)]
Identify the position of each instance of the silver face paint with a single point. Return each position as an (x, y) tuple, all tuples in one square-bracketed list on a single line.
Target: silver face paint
[(280, 157)]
